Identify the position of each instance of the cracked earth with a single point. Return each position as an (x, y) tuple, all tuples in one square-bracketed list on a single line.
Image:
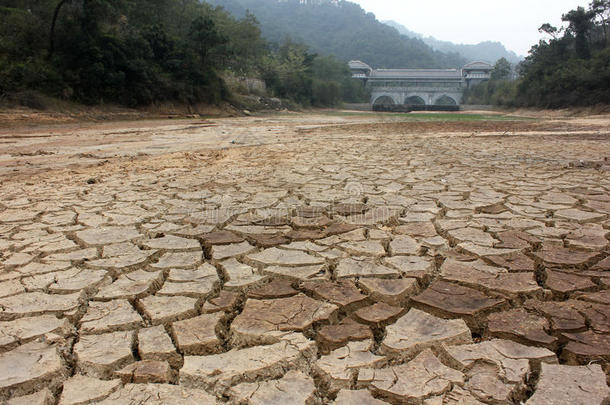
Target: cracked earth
[(306, 259)]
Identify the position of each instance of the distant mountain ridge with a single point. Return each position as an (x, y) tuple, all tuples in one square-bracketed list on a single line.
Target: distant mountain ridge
[(486, 51), (343, 29)]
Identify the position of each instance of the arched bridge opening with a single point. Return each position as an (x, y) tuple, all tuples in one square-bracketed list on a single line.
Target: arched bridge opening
[(415, 100), (384, 100), (445, 100)]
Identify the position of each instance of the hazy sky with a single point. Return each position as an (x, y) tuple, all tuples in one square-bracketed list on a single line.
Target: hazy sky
[(513, 22)]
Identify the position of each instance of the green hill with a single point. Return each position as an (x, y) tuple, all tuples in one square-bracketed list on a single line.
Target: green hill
[(343, 29), (486, 51)]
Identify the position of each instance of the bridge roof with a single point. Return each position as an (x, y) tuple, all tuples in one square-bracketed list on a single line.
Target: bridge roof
[(416, 74), (478, 65), (356, 64)]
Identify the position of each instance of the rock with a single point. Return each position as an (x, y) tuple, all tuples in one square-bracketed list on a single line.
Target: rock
[(487, 278), (338, 369), (100, 355), (147, 371), (414, 381), (286, 258), (392, 292), (136, 284), (378, 314), (473, 235), (296, 273), (120, 263), (423, 229), (404, 245), (586, 347), (417, 267), (29, 367), (198, 336), (155, 344), (457, 396), (261, 317), (221, 252), (221, 238), (277, 288), (452, 300), (161, 310), (361, 397), (81, 279), (579, 216), (81, 389), (602, 297), (240, 276), (498, 369), (485, 251), (343, 293), (556, 254), (293, 388), (24, 330), (226, 301), (44, 397), (220, 371), (108, 235), (564, 384), (564, 283), (158, 394), (514, 262), (205, 272), (364, 248), (11, 287), (102, 317), (170, 242), (345, 209), (37, 303), (597, 315), (183, 260), (267, 241), (195, 289), (418, 330), (522, 326), (564, 316), (515, 240), (352, 267), (331, 337)]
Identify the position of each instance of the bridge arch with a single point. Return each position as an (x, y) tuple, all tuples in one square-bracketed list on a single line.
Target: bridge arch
[(445, 100), (385, 99), (415, 100)]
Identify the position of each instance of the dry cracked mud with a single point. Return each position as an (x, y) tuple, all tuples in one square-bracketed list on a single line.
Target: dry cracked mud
[(306, 259)]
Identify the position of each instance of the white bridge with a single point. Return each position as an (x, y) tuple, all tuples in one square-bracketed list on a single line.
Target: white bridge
[(420, 86)]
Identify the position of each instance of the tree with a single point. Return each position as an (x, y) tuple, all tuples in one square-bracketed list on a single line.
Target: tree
[(581, 22), (550, 30), (601, 9), (502, 70)]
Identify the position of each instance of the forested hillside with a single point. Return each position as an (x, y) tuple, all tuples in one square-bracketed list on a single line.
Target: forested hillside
[(342, 29), (486, 51), (138, 52)]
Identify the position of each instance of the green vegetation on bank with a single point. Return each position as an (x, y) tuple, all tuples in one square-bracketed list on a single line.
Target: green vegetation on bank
[(138, 52), (570, 69)]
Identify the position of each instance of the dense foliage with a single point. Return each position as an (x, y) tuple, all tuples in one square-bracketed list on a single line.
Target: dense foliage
[(136, 52), (342, 29), (570, 69)]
